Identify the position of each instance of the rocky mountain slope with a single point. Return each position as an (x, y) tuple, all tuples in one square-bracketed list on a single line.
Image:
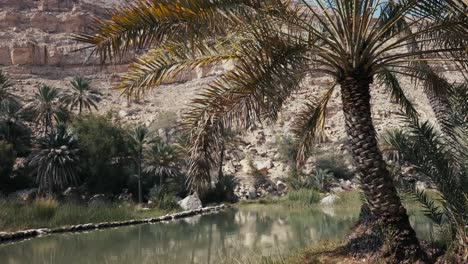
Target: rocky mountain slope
[(36, 47)]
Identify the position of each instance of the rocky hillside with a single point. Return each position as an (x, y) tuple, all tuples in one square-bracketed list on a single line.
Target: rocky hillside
[(36, 47)]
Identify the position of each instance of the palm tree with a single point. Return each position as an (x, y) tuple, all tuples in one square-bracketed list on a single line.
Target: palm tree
[(162, 161), (140, 138), (421, 146), (82, 96), (55, 161), (6, 85), (13, 128), (274, 45), (47, 109)]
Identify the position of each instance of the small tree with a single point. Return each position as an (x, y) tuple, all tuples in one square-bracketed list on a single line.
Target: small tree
[(82, 95), (55, 161), (162, 161), (140, 138)]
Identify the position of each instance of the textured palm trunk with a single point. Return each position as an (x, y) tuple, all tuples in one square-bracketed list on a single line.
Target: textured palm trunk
[(376, 181), (140, 198)]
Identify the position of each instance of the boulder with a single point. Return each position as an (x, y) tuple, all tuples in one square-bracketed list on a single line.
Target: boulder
[(264, 164), (98, 200), (252, 193), (281, 186), (191, 202), (72, 195), (329, 200), (125, 197), (25, 195)]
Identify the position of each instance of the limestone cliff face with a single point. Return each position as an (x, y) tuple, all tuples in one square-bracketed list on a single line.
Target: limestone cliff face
[(36, 47)]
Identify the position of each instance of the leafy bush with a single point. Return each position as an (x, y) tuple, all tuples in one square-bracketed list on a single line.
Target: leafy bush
[(286, 148), (316, 181), (335, 164), (104, 151), (163, 198), (223, 190)]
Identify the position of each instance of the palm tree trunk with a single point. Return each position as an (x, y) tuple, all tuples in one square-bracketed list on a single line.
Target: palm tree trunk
[(376, 181), (140, 198)]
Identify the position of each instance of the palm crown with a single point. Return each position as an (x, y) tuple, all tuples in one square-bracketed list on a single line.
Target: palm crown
[(6, 95), (275, 45), (55, 160), (82, 95), (46, 108)]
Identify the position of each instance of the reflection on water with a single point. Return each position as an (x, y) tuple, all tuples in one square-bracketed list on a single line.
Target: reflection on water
[(232, 234)]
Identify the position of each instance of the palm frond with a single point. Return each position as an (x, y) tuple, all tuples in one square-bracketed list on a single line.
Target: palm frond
[(144, 23), (423, 148), (165, 63), (309, 125), (392, 84), (431, 210), (269, 70)]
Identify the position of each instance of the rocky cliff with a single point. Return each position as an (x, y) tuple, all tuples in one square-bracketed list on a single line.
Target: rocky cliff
[(36, 47)]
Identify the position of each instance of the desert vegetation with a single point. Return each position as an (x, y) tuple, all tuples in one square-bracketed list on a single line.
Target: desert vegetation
[(57, 145)]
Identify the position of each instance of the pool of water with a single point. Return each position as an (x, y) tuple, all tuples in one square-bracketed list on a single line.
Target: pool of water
[(232, 236)]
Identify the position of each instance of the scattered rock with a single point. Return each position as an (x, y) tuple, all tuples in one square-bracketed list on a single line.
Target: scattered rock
[(329, 200), (125, 197), (191, 202), (72, 195), (25, 195), (421, 186), (281, 186), (264, 164), (252, 194), (98, 200), (123, 113)]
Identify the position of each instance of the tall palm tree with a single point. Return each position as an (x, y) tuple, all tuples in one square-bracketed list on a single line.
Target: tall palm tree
[(47, 108), (6, 86), (140, 138), (55, 161), (274, 45), (82, 95), (162, 160)]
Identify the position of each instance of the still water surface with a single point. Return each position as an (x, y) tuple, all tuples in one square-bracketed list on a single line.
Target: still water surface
[(232, 236)]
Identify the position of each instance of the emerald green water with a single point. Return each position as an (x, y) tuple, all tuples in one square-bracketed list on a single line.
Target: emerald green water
[(232, 236)]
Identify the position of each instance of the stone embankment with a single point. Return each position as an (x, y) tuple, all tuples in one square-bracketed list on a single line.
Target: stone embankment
[(6, 237)]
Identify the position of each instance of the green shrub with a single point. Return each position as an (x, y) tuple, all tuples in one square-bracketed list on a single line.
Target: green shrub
[(303, 197), (286, 148), (316, 181), (223, 191), (163, 198), (336, 164), (104, 150), (45, 208)]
